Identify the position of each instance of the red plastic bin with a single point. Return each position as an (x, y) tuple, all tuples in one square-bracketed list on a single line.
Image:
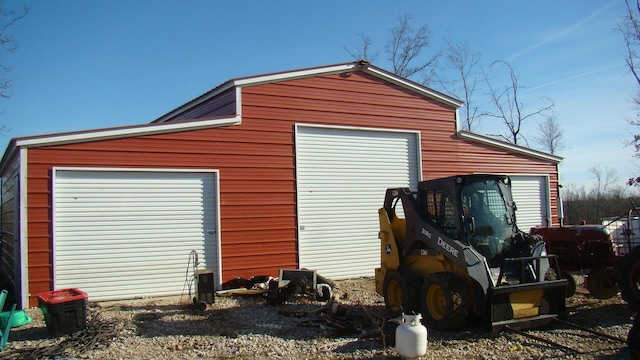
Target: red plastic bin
[(65, 310), (59, 296)]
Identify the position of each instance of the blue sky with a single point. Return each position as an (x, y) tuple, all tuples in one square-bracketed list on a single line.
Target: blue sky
[(95, 64)]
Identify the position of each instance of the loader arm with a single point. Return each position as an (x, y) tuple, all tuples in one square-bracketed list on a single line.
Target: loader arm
[(422, 238)]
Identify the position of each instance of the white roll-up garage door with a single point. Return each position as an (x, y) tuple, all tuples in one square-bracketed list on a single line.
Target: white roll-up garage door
[(124, 234), (342, 176), (531, 195)]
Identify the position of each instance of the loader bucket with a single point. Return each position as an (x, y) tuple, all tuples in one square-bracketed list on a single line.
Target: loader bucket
[(526, 303)]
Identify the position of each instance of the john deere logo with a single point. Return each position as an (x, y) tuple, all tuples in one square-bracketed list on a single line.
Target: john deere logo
[(387, 249)]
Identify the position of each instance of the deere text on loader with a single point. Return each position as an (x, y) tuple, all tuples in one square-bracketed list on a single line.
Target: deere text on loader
[(453, 250)]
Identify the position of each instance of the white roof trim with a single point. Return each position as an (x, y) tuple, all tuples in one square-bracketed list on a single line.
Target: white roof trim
[(151, 129), (310, 72), (295, 74), (358, 65), (255, 80), (510, 147), (414, 86)]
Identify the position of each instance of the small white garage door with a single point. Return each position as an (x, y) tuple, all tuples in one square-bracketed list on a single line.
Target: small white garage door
[(531, 195), (123, 234), (342, 176)]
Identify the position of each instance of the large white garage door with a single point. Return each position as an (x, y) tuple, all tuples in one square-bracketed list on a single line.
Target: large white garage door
[(531, 195), (342, 176), (124, 234)]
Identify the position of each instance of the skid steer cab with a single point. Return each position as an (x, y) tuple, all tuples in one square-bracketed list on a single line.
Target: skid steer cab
[(452, 250)]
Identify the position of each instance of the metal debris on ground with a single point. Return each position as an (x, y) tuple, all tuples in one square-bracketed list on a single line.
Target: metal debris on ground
[(291, 282), (99, 333), (335, 320)]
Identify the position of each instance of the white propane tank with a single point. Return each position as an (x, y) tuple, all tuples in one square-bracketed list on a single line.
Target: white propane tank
[(411, 337)]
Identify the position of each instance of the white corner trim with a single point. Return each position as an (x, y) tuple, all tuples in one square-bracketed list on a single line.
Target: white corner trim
[(115, 133), (239, 102), (24, 239)]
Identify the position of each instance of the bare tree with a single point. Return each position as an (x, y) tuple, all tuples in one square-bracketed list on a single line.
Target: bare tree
[(464, 63), (8, 17), (363, 50), (630, 29), (508, 106), (404, 49), (550, 135), (604, 179), (580, 205)]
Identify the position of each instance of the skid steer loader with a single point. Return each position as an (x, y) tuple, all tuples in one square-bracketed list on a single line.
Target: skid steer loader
[(453, 250)]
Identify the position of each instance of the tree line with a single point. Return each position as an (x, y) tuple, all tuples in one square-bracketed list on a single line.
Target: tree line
[(582, 206), (607, 198)]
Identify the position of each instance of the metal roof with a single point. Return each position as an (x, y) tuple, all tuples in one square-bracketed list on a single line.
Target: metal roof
[(509, 146), (161, 124), (112, 133), (360, 65)]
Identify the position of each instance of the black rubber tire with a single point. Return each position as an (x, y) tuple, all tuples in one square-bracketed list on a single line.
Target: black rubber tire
[(629, 280), (572, 285), (400, 292), (445, 301), (601, 284), (633, 339)]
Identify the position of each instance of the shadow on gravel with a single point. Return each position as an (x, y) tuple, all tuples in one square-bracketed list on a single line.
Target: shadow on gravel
[(29, 334), (604, 315), (291, 320), (348, 327)]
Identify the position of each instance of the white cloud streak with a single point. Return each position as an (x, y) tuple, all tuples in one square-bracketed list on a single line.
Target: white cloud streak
[(575, 76), (561, 33)]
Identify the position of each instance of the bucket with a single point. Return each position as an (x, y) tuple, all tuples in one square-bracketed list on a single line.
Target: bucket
[(19, 318)]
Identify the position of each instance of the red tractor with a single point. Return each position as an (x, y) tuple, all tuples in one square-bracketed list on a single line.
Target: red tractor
[(610, 252)]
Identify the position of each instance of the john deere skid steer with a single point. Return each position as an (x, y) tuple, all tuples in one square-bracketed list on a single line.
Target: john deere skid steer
[(453, 250)]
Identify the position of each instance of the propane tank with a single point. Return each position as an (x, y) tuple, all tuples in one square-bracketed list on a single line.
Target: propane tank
[(411, 337)]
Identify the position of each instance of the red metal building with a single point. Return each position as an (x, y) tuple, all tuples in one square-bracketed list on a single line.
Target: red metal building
[(282, 170)]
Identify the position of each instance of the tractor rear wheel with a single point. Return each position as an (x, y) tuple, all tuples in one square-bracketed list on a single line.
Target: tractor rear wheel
[(399, 291), (572, 286), (445, 301), (602, 282), (630, 279)]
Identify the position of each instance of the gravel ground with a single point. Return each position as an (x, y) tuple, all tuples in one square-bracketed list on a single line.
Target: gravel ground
[(302, 328)]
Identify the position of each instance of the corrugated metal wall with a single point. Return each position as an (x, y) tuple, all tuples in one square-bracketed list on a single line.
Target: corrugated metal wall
[(10, 222), (256, 191), (256, 162)]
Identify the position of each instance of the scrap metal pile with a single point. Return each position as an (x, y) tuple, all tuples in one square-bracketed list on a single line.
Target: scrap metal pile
[(291, 282), (332, 320)]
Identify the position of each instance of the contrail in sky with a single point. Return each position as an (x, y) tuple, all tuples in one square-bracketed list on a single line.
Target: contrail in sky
[(561, 33), (574, 77)]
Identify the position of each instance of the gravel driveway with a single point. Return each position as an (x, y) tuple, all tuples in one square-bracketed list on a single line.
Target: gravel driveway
[(302, 328)]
